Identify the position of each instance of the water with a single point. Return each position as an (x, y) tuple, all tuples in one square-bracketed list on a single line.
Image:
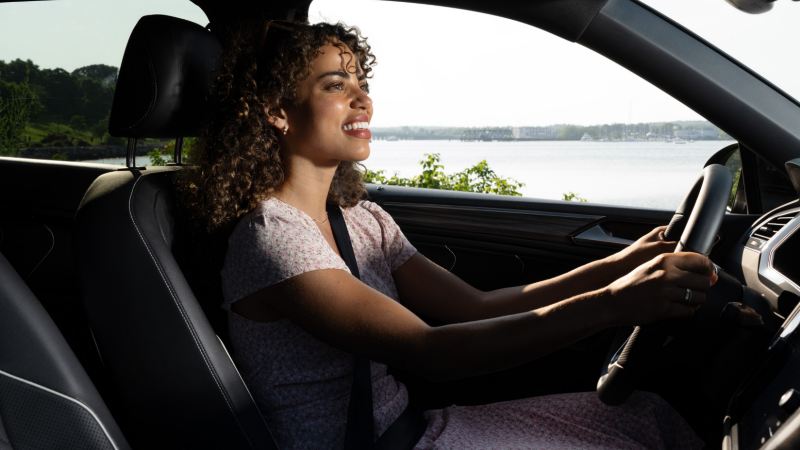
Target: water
[(642, 174)]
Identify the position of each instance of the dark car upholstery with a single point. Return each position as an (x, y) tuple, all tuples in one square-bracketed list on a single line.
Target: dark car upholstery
[(46, 398), (174, 382)]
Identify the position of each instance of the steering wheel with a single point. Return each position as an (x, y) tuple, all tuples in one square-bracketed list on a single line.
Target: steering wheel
[(694, 225)]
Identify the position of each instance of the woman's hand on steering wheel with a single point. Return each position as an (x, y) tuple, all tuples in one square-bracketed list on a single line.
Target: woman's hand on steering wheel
[(644, 249), (670, 285)]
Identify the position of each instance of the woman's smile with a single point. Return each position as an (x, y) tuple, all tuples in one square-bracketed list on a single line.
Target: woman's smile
[(358, 127)]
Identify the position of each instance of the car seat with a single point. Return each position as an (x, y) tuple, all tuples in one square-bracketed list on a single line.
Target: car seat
[(46, 398), (174, 382)]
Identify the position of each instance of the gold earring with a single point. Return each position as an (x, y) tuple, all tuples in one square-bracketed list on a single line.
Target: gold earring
[(285, 129)]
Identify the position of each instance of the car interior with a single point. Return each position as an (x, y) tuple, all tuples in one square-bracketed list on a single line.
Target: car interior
[(45, 387), (111, 334)]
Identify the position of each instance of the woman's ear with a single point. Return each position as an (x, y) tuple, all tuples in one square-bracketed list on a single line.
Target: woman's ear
[(278, 120)]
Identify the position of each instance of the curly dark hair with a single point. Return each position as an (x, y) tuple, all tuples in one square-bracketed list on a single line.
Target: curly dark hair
[(238, 156)]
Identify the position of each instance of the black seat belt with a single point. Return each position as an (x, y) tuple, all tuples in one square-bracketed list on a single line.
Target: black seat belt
[(408, 428), (360, 421)]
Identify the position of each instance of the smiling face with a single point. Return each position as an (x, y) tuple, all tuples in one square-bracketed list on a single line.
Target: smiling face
[(329, 120)]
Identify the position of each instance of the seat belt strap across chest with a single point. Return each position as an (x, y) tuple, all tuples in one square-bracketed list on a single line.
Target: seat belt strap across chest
[(360, 423), (409, 427)]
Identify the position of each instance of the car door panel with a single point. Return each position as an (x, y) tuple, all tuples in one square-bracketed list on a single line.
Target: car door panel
[(493, 241)]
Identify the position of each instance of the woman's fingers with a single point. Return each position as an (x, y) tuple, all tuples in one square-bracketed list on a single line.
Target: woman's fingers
[(681, 305), (656, 232), (671, 285), (692, 274), (690, 277), (689, 269), (686, 297), (693, 262), (656, 235), (692, 280)]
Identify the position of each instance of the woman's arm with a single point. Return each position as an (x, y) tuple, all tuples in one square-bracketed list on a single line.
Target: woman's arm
[(435, 293), (339, 309)]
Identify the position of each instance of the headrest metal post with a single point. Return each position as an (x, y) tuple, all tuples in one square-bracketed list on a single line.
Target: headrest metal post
[(178, 158), (130, 155)]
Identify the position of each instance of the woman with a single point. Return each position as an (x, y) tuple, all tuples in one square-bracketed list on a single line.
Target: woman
[(292, 122)]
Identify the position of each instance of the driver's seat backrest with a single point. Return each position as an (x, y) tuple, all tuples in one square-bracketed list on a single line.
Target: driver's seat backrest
[(174, 382)]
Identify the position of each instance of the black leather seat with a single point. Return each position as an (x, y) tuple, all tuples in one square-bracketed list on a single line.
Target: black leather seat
[(174, 383), (46, 398)]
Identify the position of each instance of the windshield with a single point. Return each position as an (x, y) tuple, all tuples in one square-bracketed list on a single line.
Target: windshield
[(763, 42)]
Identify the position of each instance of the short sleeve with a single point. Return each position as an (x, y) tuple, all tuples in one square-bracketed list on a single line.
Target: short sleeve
[(396, 247), (268, 247)]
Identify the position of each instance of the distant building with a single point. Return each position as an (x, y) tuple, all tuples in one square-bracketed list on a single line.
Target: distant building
[(541, 133), (698, 132)]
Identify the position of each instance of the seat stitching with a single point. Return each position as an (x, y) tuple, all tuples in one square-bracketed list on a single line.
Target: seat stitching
[(180, 308)]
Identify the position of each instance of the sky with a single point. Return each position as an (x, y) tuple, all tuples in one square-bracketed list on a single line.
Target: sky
[(444, 67)]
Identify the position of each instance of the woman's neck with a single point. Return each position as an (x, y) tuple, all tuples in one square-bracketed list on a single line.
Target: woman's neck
[(306, 188)]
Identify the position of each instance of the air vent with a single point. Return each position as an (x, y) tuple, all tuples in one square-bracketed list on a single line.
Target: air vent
[(773, 225)]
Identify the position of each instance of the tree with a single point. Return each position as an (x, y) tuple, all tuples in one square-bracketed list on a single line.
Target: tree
[(18, 71), (16, 104), (570, 132), (103, 74), (59, 94), (81, 98), (94, 101)]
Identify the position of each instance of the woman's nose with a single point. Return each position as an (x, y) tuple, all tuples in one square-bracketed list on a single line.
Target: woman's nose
[(362, 100)]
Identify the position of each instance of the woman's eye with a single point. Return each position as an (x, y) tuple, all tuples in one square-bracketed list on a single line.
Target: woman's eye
[(336, 87), (365, 88)]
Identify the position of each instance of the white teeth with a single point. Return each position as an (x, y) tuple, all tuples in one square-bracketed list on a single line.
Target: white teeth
[(356, 126)]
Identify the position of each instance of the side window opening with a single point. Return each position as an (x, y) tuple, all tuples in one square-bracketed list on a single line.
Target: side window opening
[(515, 110), (57, 84)]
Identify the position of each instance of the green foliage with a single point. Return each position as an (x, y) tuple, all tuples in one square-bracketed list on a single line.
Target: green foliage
[(57, 135), (379, 177), (162, 156), (106, 75), (478, 178), (573, 197), (81, 99), (157, 158), (16, 101)]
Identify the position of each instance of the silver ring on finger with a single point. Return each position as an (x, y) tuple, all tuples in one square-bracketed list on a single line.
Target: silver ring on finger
[(688, 295)]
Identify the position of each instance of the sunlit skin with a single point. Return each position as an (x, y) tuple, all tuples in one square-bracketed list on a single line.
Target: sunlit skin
[(332, 96), (482, 331)]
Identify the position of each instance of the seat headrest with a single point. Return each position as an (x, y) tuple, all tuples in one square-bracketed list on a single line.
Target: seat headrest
[(164, 80)]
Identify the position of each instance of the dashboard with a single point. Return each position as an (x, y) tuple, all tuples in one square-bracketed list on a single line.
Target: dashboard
[(768, 257), (765, 413)]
